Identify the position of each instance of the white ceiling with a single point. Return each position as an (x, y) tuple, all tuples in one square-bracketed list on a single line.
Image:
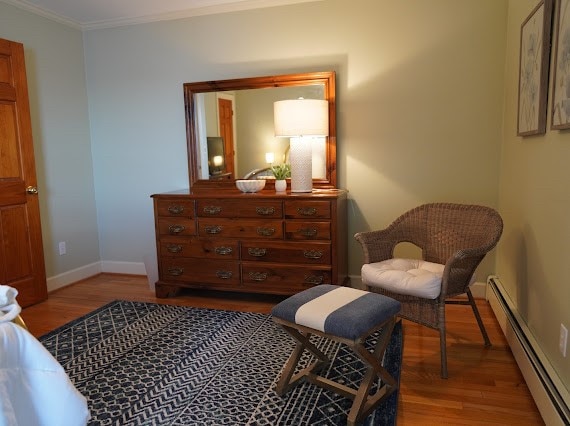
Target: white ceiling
[(89, 14)]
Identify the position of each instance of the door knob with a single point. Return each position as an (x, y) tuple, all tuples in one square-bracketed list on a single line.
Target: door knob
[(32, 190)]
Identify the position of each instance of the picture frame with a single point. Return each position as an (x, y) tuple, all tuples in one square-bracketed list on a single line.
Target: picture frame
[(534, 61), (560, 110)]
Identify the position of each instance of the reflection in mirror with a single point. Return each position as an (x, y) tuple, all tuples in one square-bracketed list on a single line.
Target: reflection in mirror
[(238, 116), (216, 161), (253, 144)]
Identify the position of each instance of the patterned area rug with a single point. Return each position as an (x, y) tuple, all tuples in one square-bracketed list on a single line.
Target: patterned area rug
[(151, 364)]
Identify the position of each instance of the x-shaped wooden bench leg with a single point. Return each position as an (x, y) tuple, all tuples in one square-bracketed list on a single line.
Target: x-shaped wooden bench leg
[(363, 402), (286, 381)]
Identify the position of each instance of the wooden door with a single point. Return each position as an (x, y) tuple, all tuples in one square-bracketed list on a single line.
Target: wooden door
[(226, 114), (21, 251)]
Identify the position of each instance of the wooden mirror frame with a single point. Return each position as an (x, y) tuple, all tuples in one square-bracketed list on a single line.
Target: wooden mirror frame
[(326, 78)]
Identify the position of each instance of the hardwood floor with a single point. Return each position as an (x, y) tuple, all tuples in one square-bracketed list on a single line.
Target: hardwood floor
[(485, 386)]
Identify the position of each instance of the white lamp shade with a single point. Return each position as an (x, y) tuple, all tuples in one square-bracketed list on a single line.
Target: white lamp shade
[(301, 117)]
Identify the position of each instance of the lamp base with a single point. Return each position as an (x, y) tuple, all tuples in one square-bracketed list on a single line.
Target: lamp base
[(301, 158)]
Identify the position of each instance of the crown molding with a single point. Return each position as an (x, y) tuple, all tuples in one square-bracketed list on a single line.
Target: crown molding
[(234, 6), (24, 5)]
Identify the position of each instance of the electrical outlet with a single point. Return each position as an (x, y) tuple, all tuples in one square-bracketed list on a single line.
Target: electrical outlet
[(62, 248), (563, 342)]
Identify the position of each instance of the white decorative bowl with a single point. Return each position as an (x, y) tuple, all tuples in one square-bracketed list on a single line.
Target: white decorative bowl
[(254, 185)]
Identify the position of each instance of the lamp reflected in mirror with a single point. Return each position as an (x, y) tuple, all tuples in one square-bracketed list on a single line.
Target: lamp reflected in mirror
[(216, 163)]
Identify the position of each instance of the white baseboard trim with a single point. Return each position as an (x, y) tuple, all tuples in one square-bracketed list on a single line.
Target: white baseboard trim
[(545, 386), (478, 290), (130, 268), (84, 272), (73, 276)]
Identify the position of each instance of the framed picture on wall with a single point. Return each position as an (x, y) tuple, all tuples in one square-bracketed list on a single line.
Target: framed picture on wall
[(561, 86), (533, 70)]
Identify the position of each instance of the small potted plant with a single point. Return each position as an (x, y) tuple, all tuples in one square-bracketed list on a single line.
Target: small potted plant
[(281, 172)]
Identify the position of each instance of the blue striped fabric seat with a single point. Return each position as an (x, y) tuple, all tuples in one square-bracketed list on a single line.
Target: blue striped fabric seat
[(338, 311)]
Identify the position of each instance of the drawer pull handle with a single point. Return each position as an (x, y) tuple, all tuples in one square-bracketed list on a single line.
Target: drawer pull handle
[(308, 232), (212, 210), (257, 251), (265, 232), (313, 254), (258, 276), (224, 275), (314, 279), (176, 229), (265, 211), (307, 211), (175, 209), (223, 250), (175, 272), (215, 229), (174, 248)]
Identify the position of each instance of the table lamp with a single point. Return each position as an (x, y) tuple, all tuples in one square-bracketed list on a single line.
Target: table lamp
[(301, 120)]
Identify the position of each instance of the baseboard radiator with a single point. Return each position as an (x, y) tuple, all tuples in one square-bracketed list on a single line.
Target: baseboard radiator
[(548, 391)]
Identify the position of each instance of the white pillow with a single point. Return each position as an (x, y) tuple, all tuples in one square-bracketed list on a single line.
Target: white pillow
[(414, 277)]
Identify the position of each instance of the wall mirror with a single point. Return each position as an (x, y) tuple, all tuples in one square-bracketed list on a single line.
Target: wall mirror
[(229, 128)]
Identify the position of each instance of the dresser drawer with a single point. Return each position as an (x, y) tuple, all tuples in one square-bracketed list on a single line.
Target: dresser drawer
[(250, 208), (199, 247), (177, 208), (273, 275), (296, 230), (307, 209), (200, 270), (215, 208), (240, 228), (176, 226), (281, 252)]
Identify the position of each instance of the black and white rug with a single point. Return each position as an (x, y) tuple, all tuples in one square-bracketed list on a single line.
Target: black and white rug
[(151, 364)]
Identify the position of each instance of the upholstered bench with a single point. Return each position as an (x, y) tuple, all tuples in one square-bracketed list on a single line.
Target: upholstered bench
[(345, 315)]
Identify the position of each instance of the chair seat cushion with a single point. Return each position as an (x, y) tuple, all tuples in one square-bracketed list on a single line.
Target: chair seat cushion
[(339, 311), (413, 277)]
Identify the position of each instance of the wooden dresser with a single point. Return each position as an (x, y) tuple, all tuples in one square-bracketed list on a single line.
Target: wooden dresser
[(265, 242)]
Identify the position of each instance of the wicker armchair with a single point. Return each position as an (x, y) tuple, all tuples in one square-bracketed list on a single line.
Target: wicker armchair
[(454, 238)]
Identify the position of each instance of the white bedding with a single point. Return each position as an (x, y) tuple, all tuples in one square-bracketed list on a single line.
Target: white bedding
[(9, 308), (34, 388)]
